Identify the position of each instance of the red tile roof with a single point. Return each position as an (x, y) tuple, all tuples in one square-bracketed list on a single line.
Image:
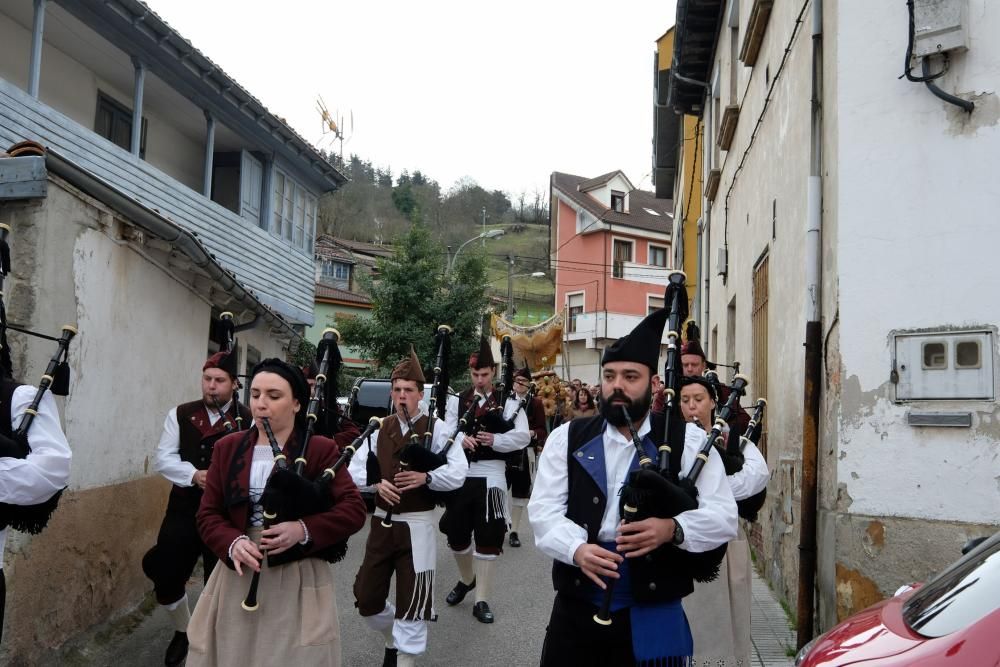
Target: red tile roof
[(334, 294)]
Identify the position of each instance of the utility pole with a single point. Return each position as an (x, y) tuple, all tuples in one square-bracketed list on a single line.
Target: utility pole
[(510, 287), (484, 226)]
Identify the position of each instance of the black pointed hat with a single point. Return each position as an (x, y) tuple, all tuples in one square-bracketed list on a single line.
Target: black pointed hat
[(523, 372), (483, 358), (642, 344)]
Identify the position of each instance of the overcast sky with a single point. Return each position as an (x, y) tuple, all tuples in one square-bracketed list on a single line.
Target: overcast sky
[(504, 93)]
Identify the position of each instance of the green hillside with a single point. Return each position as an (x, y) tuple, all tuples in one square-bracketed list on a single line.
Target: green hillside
[(528, 244)]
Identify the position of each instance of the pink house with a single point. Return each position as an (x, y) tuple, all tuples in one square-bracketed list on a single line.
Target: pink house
[(610, 254)]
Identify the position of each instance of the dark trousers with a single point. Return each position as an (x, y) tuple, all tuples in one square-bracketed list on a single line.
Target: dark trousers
[(171, 562), (519, 479), (472, 512), (573, 638)]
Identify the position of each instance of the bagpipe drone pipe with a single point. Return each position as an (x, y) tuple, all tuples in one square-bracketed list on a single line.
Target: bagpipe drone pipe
[(750, 507), (656, 490), (14, 444)]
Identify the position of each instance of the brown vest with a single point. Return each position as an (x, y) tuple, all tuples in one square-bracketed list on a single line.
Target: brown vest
[(390, 445), (198, 435)]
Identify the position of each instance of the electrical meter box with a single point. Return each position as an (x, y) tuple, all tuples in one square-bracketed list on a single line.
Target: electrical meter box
[(940, 26), (947, 365)]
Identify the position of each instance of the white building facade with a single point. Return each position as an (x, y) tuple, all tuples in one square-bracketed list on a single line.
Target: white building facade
[(863, 202)]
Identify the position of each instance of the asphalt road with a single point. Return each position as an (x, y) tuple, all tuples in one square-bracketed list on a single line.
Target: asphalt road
[(521, 603)]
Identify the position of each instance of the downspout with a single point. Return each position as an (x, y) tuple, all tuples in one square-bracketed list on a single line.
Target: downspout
[(813, 367)]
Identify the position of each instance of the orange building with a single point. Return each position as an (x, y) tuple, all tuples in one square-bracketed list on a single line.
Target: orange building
[(610, 252)]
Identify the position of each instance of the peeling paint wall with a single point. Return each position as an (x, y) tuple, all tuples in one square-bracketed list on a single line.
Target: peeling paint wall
[(143, 338), (915, 246)]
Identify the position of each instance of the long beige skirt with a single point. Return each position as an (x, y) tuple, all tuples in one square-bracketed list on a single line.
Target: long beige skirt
[(719, 611), (295, 622)]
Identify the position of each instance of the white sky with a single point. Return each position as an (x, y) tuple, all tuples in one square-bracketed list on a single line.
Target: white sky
[(502, 92)]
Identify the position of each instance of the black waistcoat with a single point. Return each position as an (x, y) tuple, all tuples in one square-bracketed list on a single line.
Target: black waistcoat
[(489, 418), (651, 581), (197, 433)]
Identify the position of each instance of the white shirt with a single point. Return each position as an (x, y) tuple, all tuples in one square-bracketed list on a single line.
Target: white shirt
[(167, 460), (446, 478), (519, 437), (753, 478), (45, 471), (713, 524)]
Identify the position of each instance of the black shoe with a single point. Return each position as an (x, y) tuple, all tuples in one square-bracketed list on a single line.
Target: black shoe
[(514, 541), (177, 650), (482, 612), (390, 657), (459, 592)]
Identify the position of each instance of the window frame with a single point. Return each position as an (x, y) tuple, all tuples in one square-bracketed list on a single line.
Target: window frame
[(295, 211), (570, 315), (124, 113), (653, 296), (618, 266), (649, 254)]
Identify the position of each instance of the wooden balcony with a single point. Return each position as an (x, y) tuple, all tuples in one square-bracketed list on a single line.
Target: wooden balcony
[(712, 185), (756, 26), (727, 128)]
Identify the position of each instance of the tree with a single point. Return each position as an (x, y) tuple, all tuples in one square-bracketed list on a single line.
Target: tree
[(413, 297)]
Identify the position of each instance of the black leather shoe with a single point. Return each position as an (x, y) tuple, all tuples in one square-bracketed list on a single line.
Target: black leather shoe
[(514, 540), (459, 592), (482, 612), (177, 650), (390, 657)]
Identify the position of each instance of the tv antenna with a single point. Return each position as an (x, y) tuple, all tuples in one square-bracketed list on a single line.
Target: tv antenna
[(334, 126)]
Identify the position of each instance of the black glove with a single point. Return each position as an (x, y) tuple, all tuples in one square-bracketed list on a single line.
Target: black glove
[(15, 447)]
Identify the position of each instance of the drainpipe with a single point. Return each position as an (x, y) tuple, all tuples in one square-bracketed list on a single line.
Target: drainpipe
[(35, 67), (813, 368)]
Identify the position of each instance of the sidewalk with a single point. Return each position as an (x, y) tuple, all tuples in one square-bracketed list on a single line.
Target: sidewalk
[(769, 629)]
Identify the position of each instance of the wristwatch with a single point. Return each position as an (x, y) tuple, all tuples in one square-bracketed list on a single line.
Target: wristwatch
[(428, 480), (678, 538)]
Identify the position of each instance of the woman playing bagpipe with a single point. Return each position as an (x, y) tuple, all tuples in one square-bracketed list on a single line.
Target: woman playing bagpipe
[(649, 562), (719, 610), (34, 454), (286, 534), (403, 539)]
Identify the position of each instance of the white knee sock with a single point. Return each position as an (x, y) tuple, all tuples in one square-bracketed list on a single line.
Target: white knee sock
[(484, 578), (405, 660), (180, 614), (382, 622), (515, 517), (465, 568)]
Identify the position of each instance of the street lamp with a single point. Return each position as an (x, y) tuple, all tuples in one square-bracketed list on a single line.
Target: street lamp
[(491, 234)]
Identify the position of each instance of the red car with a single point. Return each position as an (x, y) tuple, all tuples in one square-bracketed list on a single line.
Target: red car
[(953, 619)]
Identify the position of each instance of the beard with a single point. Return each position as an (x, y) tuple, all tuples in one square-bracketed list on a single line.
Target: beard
[(637, 408)]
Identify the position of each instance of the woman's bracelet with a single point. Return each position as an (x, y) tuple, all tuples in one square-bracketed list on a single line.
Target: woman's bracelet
[(305, 531), (241, 537)]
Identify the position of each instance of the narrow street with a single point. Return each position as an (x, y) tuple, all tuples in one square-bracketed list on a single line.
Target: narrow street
[(521, 602)]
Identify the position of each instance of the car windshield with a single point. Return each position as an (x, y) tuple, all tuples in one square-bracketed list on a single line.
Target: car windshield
[(958, 597)]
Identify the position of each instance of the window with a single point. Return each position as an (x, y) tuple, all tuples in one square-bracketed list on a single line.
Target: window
[(622, 252), (935, 356), (967, 354), (618, 201), (574, 303), (758, 320), (657, 255), (336, 270), (294, 212), (653, 303), (114, 123)]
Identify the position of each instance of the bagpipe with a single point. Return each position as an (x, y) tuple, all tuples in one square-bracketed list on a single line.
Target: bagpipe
[(418, 454), (519, 460), (288, 494), (657, 490), (750, 507), (228, 325), (492, 420), (28, 518)]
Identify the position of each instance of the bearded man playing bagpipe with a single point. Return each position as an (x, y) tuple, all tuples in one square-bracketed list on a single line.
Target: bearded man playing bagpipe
[(574, 512)]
